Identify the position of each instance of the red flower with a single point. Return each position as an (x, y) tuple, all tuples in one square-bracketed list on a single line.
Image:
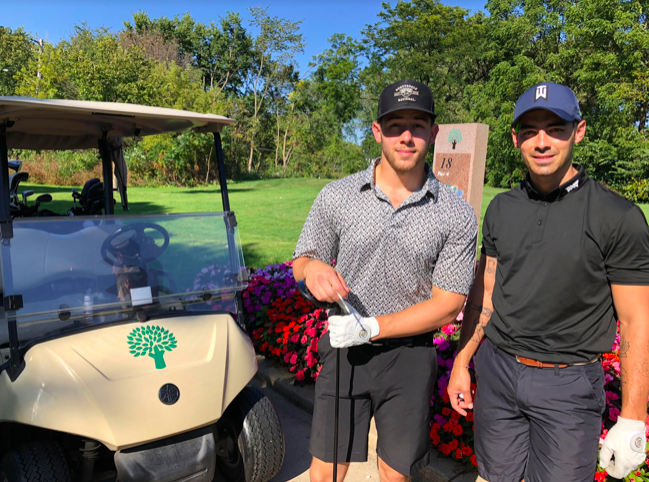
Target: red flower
[(600, 476), (473, 460), (448, 427), (457, 430), (469, 416), (445, 449), (300, 375), (435, 428), (455, 415), (453, 445), (446, 411), (458, 454), (467, 451)]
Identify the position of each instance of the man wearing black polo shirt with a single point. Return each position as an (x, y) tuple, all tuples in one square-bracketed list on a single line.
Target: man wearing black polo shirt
[(562, 259)]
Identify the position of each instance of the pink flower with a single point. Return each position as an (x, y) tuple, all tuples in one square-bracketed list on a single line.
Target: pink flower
[(608, 378), (616, 366), (304, 339), (310, 360), (311, 332), (449, 329), (294, 359), (611, 397), (287, 357), (300, 375), (613, 413), (295, 338)]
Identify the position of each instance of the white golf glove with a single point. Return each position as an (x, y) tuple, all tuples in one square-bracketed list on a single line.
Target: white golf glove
[(351, 330), (627, 442)]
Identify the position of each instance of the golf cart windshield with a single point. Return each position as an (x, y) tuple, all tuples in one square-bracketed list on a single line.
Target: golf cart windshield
[(85, 271)]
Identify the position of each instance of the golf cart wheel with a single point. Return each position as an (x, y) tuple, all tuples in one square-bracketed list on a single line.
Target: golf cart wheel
[(41, 461), (250, 441)]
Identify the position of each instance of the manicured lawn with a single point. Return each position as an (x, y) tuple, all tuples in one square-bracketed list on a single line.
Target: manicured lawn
[(270, 213)]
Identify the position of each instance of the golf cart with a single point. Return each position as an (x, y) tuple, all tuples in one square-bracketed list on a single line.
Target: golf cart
[(122, 351)]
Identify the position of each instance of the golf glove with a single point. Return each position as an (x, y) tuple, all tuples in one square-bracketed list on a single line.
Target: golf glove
[(351, 330), (627, 442)]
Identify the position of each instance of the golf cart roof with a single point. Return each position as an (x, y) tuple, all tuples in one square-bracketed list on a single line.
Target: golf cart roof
[(76, 124)]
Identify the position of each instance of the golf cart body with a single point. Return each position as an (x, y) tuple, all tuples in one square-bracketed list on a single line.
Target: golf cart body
[(121, 338)]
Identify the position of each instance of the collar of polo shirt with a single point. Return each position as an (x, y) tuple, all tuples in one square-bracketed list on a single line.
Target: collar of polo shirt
[(367, 179), (574, 183)]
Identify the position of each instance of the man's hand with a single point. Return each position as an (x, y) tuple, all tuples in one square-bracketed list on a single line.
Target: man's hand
[(627, 442), (351, 330), (323, 281), (459, 390)]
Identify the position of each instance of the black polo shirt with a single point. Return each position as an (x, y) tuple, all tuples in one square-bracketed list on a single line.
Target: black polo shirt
[(557, 257)]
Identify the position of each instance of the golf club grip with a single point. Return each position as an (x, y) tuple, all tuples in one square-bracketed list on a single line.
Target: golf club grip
[(306, 293)]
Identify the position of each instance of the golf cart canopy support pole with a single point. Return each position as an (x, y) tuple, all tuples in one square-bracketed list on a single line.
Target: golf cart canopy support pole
[(230, 222), (107, 165), (219, 158), (5, 211)]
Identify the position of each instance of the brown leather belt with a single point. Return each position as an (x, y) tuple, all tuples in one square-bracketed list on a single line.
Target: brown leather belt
[(538, 364)]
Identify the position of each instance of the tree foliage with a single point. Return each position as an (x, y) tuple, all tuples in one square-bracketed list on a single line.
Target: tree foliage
[(292, 123)]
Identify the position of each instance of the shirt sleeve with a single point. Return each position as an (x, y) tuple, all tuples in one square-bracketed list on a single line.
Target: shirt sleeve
[(627, 259), (456, 261), (318, 239), (488, 244)]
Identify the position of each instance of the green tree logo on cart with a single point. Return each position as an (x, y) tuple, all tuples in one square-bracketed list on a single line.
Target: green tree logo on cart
[(153, 341), (454, 137)]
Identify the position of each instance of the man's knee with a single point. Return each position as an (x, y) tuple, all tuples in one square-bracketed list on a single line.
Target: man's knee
[(388, 474), (324, 471)]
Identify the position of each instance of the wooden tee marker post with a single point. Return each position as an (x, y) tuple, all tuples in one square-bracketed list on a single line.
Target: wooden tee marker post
[(459, 160)]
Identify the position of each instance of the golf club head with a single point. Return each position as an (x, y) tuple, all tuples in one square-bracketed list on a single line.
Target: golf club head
[(44, 198), (26, 194)]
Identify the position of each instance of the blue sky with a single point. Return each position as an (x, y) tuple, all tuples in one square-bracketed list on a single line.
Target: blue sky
[(320, 19)]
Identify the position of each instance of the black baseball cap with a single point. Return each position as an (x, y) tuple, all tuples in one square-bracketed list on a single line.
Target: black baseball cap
[(406, 94), (556, 98)]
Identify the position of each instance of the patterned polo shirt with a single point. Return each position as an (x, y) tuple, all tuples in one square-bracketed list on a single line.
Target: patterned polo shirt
[(391, 258)]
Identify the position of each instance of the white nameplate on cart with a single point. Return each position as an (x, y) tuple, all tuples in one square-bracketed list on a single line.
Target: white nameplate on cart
[(141, 296)]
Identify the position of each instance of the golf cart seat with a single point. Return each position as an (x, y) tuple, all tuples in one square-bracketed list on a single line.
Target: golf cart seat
[(15, 165)]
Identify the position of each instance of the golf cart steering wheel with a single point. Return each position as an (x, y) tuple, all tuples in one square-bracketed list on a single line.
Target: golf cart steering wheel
[(148, 249)]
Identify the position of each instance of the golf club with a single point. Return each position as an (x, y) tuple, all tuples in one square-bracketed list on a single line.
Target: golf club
[(304, 291)]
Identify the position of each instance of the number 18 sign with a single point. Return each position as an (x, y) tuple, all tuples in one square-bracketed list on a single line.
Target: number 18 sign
[(459, 160)]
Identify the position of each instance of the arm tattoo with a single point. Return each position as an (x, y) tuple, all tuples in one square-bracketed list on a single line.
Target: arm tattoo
[(491, 267), (480, 323), (624, 349)]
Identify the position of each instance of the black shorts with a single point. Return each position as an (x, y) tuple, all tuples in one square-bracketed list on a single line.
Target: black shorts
[(541, 424), (392, 384)]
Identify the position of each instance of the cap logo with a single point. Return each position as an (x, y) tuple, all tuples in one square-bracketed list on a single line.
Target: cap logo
[(541, 93), (406, 92)]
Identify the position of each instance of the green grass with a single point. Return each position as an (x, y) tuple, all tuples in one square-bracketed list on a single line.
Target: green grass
[(270, 213)]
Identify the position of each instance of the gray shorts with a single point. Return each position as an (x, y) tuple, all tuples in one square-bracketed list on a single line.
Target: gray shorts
[(540, 424), (394, 385)]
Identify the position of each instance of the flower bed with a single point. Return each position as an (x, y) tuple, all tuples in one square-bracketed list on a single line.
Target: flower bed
[(286, 328)]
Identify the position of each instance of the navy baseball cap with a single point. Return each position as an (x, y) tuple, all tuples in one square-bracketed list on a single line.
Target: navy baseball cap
[(556, 98), (406, 94)]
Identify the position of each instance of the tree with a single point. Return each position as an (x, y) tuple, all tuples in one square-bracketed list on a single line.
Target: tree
[(17, 50), (274, 49), (153, 341)]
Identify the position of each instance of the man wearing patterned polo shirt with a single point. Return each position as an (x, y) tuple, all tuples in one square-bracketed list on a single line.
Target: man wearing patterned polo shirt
[(404, 245)]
